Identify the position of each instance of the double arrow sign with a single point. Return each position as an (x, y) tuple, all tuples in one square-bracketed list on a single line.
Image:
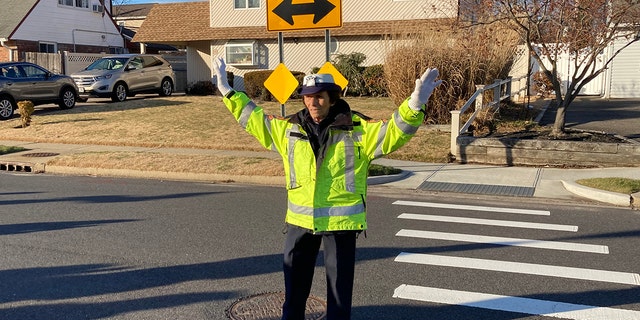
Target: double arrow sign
[(319, 14)]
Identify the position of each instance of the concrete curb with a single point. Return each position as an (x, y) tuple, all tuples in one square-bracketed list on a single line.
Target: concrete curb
[(161, 175), (618, 199), (635, 200), (373, 180), (187, 176)]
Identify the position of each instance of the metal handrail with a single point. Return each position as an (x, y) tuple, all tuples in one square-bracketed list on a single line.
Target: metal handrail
[(477, 100)]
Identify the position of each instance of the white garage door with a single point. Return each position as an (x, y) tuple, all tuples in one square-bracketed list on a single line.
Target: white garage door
[(625, 72)]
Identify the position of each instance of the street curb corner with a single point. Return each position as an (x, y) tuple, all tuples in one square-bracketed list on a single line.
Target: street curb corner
[(618, 199), (374, 180)]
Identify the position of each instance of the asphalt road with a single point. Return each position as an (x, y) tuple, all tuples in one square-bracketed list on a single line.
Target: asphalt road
[(102, 248)]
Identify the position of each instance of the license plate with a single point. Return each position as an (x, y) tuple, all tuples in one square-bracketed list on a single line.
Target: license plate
[(80, 89)]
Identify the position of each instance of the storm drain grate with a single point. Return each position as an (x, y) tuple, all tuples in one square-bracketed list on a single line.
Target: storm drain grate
[(268, 306), (17, 167), (40, 154), (478, 188)]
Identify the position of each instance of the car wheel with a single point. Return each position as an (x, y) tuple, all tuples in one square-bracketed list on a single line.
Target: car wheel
[(67, 99), (119, 93), (166, 88), (6, 107)]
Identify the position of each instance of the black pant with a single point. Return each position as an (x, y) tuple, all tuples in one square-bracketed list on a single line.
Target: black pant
[(300, 252)]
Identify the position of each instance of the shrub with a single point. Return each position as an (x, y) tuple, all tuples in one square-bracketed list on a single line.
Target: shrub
[(254, 85), (201, 88), (363, 81), (25, 108), (349, 65), (205, 88), (375, 84), (542, 84), (378, 170)]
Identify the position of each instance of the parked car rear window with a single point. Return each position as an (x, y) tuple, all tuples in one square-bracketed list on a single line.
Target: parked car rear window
[(136, 63), (150, 61), (11, 72), (33, 72)]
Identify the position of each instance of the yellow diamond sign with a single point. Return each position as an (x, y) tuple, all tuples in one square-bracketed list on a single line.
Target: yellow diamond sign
[(281, 83), (340, 80)]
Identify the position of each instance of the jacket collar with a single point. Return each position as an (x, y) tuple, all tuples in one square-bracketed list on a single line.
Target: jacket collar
[(340, 112)]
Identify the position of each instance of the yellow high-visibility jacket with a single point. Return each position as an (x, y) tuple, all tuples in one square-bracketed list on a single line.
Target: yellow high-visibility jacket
[(327, 193)]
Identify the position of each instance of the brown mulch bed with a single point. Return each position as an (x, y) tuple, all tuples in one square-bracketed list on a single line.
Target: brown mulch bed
[(515, 121), (544, 133)]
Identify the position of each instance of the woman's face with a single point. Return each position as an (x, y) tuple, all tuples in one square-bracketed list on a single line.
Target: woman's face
[(318, 105)]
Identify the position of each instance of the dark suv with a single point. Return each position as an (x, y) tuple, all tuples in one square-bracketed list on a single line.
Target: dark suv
[(121, 76), (27, 81)]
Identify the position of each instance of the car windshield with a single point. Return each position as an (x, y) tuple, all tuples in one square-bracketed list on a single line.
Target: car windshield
[(108, 64)]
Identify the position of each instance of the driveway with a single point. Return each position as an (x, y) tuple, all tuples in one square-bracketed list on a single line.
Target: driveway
[(617, 116)]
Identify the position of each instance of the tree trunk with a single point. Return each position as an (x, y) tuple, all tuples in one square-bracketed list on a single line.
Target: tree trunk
[(558, 125)]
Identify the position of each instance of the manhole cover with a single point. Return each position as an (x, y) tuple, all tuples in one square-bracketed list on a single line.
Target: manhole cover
[(268, 306), (40, 154)]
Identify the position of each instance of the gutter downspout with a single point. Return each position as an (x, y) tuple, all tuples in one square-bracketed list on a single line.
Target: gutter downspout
[(2, 43)]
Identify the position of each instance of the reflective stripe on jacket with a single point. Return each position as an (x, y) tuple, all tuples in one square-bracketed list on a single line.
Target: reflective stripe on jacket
[(328, 194)]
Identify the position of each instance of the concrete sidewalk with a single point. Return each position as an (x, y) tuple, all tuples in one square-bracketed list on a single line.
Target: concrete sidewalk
[(554, 183)]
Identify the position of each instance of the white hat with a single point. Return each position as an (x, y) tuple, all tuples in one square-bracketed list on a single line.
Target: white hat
[(315, 83)]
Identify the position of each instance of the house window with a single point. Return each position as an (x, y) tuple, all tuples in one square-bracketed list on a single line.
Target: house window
[(74, 3), (334, 46), (82, 3), (240, 53), (246, 4), (47, 47)]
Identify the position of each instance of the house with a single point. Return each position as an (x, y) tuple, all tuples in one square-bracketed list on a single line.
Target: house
[(129, 18), (56, 26), (237, 31), (622, 79)]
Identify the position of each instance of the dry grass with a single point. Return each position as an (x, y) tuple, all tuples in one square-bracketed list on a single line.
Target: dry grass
[(180, 121), (178, 163), (198, 122), (620, 185)]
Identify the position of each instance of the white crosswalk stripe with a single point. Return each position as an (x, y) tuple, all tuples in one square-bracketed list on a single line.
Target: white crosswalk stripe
[(489, 222), (502, 302), (513, 304), (554, 245), (474, 208), (518, 267)]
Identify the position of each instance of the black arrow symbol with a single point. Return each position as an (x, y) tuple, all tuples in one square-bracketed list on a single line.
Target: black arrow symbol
[(319, 8)]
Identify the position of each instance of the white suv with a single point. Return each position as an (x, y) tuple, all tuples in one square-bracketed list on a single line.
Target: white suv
[(121, 76)]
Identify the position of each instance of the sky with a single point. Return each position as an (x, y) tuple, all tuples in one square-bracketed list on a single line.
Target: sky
[(156, 1)]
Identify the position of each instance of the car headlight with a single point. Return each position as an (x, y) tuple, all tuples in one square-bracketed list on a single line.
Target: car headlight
[(106, 76)]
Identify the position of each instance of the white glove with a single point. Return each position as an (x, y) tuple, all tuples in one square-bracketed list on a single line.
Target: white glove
[(424, 88), (220, 74)]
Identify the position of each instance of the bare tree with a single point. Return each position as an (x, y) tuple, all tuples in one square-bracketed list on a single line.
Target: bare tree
[(116, 4), (583, 29)]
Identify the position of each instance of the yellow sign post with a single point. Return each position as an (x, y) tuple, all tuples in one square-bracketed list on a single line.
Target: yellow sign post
[(290, 15)]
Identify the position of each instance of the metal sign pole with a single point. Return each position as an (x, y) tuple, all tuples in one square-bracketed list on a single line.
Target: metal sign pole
[(327, 44), (283, 111)]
